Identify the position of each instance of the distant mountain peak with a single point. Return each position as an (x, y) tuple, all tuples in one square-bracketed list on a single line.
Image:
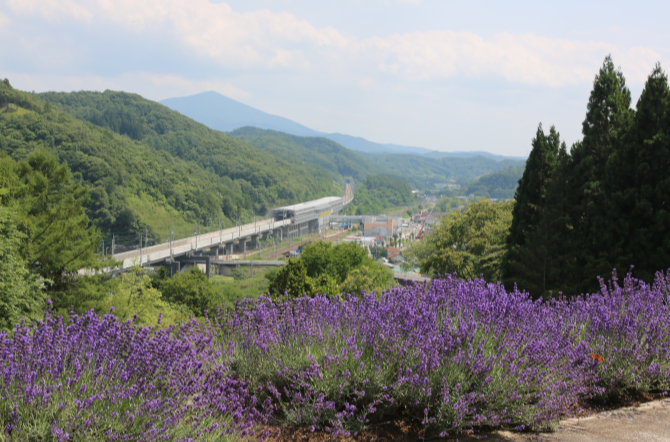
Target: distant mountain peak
[(226, 114)]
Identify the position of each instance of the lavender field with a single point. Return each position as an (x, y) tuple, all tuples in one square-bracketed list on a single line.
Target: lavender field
[(452, 356)]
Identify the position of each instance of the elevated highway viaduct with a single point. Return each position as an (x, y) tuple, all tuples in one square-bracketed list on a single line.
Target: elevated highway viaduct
[(292, 221)]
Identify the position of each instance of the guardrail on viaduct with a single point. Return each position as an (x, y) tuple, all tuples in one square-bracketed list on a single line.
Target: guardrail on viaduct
[(167, 250), (161, 252)]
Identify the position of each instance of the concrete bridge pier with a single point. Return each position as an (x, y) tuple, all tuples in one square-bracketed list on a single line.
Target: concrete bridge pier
[(173, 267), (253, 241), (189, 261)]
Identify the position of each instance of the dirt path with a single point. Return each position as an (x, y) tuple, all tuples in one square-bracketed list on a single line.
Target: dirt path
[(647, 422)]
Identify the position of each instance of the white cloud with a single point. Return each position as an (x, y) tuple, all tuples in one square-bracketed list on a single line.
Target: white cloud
[(154, 87), (52, 9), (265, 40), (518, 58), (4, 23), (245, 40)]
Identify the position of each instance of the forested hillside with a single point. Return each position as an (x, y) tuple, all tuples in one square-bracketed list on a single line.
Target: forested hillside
[(375, 192), (500, 184), (136, 185), (379, 193), (338, 160), (424, 172), (257, 180)]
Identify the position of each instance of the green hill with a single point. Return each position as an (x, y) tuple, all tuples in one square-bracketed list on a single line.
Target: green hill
[(338, 160), (500, 184), (263, 179), (378, 193), (424, 172), (135, 180)]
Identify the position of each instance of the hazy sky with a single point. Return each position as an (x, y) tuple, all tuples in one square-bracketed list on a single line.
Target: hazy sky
[(447, 75)]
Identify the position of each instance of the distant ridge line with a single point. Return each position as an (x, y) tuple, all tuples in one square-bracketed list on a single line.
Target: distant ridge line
[(222, 113)]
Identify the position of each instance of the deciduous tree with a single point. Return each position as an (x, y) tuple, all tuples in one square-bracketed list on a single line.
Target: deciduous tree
[(471, 243)]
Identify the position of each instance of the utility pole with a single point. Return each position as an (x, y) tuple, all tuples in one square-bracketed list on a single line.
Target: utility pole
[(140, 250), (103, 247), (197, 227), (113, 238)]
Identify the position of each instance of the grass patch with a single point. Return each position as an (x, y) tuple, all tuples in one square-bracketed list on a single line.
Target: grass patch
[(14, 111), (161, 218)]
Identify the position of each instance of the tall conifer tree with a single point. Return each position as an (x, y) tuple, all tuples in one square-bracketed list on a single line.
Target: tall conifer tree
[(639, 181), (527, 261), (608, 119)]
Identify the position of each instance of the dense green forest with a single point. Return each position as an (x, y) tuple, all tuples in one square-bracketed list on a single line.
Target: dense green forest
[(419, 171), (131, 184), (338, 160), (604, 203), (501, 184), (375, 191), (423, 172), (379, 193), (249, 180), (261, 168)]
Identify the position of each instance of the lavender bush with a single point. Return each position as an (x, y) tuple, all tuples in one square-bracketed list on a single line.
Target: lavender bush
[(452, 356), (100, 379)]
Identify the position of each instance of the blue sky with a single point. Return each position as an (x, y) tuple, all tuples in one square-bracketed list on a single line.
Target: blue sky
[(439, 74)]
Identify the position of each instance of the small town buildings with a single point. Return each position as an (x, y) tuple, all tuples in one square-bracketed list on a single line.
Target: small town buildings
[(396, 258), (384, 227), (364, 241)]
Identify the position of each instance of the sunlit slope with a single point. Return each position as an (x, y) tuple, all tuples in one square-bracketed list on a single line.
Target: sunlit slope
[(338, 160), (256, 180), (136, 187), (424, 171)]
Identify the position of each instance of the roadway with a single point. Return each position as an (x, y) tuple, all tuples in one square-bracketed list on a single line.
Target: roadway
[(161, 252), (317, 215)]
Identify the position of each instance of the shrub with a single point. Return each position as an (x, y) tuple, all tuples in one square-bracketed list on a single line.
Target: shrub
[(190, 288), (100, 379), (453, 355)]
